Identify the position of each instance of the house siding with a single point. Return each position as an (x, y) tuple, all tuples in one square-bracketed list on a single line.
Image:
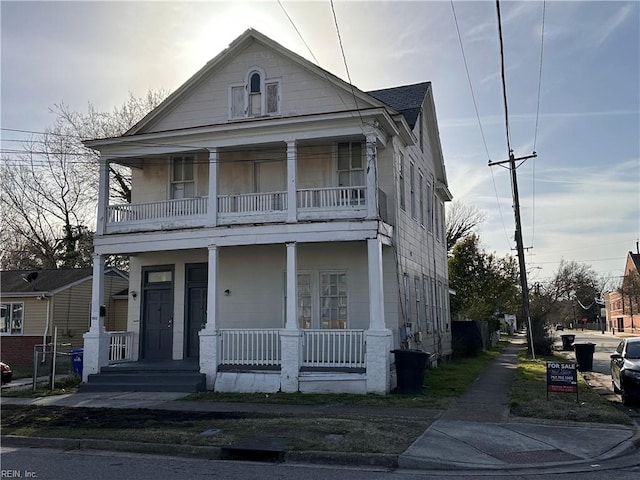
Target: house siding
[(302, 92)]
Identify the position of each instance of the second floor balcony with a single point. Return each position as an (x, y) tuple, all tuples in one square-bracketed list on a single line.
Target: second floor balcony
[(273, 207)]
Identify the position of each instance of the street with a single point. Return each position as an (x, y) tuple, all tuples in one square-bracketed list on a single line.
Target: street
[(52, 464)]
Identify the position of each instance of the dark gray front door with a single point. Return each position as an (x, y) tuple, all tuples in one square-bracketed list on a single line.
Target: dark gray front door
[(196, 307), (158, 324), (197, 318)]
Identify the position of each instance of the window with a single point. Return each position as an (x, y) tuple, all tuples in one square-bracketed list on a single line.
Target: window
[(421, 129), (416, 281), (182, 177), (401, 182), (430, 206), (428, 317), (333, 300), (304, 300), (11, 315), (412, 194), (351, 171), (421, 198), (256, 97)]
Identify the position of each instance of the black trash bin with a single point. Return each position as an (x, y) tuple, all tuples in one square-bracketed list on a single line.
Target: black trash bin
[(410, 366), (567, 341), (584, 355), (77, 361)]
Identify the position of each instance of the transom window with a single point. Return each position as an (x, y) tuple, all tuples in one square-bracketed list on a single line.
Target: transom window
[(183, 183), (11, 316)]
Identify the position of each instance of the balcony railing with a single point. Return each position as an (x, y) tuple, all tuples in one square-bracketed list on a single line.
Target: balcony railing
[(312, 204), (133, 212)]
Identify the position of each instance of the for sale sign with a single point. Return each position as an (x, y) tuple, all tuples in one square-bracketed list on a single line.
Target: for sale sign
[(562, 377)]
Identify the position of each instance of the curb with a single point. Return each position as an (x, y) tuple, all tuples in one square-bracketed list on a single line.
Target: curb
[(193, 451)]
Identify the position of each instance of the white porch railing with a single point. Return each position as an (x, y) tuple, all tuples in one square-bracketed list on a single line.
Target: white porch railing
[(120, 347), (250, 347), (332, 197), (130, 212), (252, 202), (333, 348)]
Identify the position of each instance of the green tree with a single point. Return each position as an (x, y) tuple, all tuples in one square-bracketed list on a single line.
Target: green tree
[(485, 284)]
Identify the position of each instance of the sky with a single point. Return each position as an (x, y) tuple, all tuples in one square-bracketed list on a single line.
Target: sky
[(578, 108)]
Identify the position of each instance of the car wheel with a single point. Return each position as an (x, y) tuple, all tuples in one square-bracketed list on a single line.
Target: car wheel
[(615, 389)]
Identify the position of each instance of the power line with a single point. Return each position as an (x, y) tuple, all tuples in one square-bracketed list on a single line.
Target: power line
[(473, 96), (535, 134)]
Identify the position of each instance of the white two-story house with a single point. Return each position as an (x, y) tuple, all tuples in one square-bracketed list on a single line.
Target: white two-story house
[(286, 230)]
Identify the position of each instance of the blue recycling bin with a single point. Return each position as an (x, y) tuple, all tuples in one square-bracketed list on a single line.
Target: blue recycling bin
[(76, 361)]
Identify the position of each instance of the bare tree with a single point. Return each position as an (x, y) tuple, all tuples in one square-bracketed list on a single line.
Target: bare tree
[(49, 192), (461, 220)]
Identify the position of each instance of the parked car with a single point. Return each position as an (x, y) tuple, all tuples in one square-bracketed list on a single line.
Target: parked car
[(559, 326), (7, 374), (625, 370)]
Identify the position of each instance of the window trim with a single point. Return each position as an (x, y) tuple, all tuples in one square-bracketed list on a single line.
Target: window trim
[(173, 182), (265, 82), (401, 183), (10, 309)]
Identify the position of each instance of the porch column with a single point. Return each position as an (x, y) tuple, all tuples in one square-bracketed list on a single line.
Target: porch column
[(212, 199), (96, 340), (292, 197), (378, 337), (209, 335), (291, 336), (103, 196), (372, 177)]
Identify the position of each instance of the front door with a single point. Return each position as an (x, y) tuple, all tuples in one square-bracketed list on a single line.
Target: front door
[(157, 315), (196, 313)]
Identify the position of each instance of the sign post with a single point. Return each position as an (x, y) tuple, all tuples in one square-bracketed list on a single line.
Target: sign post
[(562, 377)]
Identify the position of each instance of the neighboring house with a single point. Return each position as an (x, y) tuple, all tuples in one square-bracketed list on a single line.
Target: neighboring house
[(623, 305), (286, 230), (35, 302)]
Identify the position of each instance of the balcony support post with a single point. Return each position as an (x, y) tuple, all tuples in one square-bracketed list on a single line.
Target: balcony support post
[(291, 336), (292, 199), (96, 340), (209, 335), (212, 199), (372, 177), (103, 196), (378, 337)]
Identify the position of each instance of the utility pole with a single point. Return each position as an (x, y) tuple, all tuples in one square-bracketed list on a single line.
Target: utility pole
[(518, 235)]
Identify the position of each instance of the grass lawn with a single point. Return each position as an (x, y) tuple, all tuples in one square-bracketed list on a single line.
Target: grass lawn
[(529, 397)]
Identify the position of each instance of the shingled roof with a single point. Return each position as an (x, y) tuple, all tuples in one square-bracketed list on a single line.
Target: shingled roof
[(406, 99), (49, 280)]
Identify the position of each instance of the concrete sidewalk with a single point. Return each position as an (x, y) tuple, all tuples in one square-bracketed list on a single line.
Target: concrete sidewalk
[(475, 433)]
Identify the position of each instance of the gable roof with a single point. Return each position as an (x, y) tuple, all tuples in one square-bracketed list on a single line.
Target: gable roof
[(635, 258), (45, 281), (406, 99), (238, 45)]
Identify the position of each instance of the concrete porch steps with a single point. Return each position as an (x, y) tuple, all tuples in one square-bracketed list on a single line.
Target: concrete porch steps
[(178, 376)]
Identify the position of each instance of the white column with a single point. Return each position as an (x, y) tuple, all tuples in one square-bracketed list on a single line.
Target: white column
[(96, 340), (292, 198), (291, 336), (212, 199), (209, 335), (103, 196), (378, 337), (372, 177)]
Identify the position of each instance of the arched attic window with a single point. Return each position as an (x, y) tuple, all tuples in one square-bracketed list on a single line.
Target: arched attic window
[(257, 96)]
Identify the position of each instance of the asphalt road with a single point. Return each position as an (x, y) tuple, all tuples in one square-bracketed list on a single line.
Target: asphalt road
[(52, 464)]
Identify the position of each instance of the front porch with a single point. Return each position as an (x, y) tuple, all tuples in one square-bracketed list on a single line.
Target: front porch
[(249, 361)]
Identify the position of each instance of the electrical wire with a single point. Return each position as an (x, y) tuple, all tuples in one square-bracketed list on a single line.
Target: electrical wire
[(473, 96)]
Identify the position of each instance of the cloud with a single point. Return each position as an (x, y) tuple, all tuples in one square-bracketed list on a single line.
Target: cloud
[(600, 36)]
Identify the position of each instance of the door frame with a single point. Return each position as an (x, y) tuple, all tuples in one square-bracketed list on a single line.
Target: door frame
[(146, 286)]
